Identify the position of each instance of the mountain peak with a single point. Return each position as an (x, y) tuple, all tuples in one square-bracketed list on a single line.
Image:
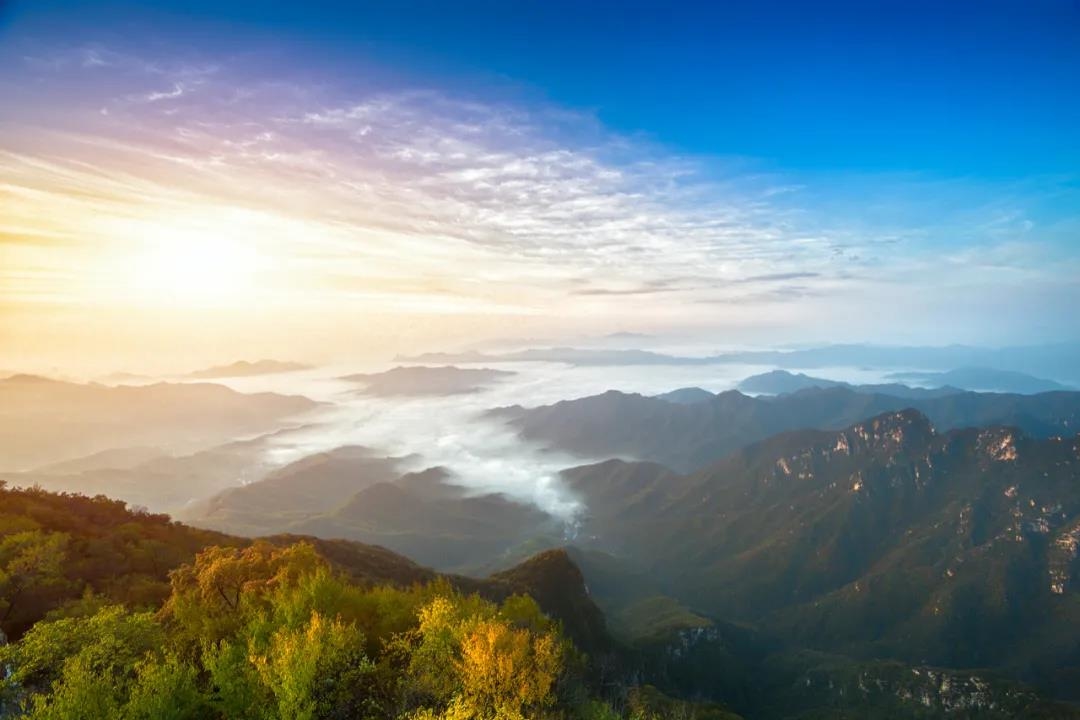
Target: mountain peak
[(554, 580), (894, 431)]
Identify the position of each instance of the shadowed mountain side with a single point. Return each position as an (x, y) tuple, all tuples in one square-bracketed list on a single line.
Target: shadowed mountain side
[(689, 436), (309, 486), (687, 395), (44, 420), (557, 584), (419, 380), (885, 539), (439, 524)]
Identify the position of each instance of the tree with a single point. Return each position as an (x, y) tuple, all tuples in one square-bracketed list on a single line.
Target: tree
[(316, 671), (165, 689), (216, 596), (31, 571), (469, 661)]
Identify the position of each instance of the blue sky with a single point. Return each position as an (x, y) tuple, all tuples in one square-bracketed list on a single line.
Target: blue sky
[(959, 88), (761, 172)]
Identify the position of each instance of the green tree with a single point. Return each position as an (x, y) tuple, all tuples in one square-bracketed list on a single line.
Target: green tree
[(31, 574), (318, 670)]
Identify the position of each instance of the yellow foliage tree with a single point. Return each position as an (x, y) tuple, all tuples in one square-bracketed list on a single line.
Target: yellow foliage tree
[(469, 661)]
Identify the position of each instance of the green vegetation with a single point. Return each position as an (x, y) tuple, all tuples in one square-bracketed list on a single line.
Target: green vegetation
[(122, 615), (116, 614)]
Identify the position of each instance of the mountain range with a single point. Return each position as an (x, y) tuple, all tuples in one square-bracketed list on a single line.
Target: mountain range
[(45, 421), (245, 368), (886, 539), (1059, 360), (117, 554), (686, 436)]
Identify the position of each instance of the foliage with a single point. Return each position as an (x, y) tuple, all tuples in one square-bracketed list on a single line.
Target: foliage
[(60, 549), (266, 632)]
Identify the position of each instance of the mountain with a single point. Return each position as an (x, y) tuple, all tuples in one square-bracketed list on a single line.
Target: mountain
[(355, 493), (687, 396), (984, 379), (111, 459), (1060, 360), (49, 421), (567, 355), (126, 556), (688, 436), (419, 380), (245, 368), (155, 480), (103, 553), (425, 516), (782, 382), (886, 539), (314, 484)]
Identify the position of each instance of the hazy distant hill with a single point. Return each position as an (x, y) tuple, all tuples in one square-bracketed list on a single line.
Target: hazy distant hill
[(984, 379), (688, 436), (568, 355), (243, 368), (885, 539), (419, 380), (1061, 360), (49, 421), (781, 382), (154, 479), (309, 486)]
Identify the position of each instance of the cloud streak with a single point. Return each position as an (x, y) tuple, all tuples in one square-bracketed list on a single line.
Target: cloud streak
[(419, 201)]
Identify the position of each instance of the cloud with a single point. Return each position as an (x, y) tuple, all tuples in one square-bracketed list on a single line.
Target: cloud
[(177, 90), (417, 198), (778, 277)]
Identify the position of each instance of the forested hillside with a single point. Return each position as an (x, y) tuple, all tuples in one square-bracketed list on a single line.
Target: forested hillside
[(118, 614)]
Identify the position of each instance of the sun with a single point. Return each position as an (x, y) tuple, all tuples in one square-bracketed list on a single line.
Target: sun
[(194, 269)]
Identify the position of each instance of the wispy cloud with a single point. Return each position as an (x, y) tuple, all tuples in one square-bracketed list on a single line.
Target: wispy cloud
[(416, 198)]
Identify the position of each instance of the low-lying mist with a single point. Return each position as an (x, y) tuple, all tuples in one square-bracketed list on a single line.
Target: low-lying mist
[(452, 431)]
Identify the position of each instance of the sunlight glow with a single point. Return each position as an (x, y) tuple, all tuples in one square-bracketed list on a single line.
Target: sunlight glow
[(188, 269)]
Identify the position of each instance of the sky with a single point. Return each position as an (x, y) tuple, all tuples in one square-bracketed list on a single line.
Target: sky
[(200, 181)]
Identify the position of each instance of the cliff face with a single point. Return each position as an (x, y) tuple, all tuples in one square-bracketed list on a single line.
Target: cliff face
[(884, 539)]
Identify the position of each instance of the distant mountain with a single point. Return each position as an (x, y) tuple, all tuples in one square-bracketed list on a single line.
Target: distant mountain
[(984, 379), (687, 396), (885, 539), (124, 378), (688, 436), (156, 480), (427, 517), (49, 421), (314, 484), (1060, 360), (568, 355), (420, 380), (782, 382), (112, 459), (244, 368)]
